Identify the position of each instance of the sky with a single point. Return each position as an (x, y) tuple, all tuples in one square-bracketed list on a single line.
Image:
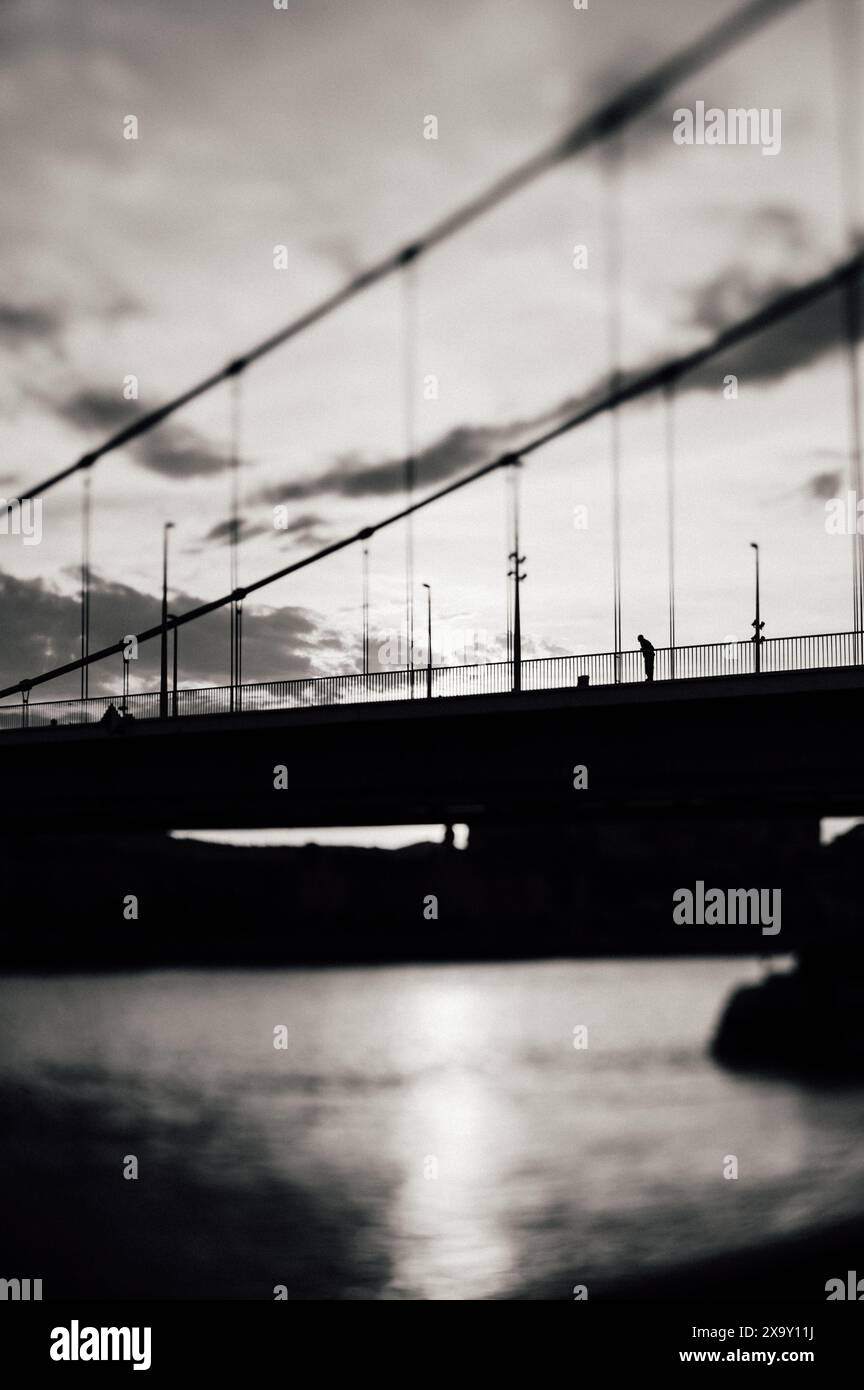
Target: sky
[(303, 128)]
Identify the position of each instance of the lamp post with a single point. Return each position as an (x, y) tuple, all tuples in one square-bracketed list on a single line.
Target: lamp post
[(163, 680), (173, 619), (428, 588), (518, 578), (758, 625)]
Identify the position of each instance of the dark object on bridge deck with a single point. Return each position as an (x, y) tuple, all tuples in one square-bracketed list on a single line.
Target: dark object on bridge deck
[(648, 656), (583, 680), (112, 719), (806, 1022)]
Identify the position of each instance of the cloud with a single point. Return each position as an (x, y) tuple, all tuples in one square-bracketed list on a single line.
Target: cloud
[(339, 250), (798, 341), (783, 226), (779, 259), (823, 485), (306, 521), (22, 324), (171, 449), (307, 530), (351, 476), (220, 534), (41, 630), (461, 448), (101, 410), (177, 452), (734, 294), (25, 323)]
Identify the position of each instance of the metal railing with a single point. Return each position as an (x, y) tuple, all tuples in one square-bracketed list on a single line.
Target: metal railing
[(821, 651)]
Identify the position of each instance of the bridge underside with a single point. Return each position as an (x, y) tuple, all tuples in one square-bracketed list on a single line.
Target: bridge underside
[(775, 743)]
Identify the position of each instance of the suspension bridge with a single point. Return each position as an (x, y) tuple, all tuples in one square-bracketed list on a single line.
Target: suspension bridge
[(739, 697)]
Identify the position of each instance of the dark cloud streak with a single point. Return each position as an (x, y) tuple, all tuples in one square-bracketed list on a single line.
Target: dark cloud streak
[(172, 450), (21, 324), (220, 534), (798, 341), (823, 486), (41, 630)]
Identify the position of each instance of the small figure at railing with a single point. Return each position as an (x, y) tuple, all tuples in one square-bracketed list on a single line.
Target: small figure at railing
[(647, 656), (111, 719)]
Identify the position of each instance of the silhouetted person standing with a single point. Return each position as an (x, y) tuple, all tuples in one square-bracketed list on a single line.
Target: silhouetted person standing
[(111, 719), (647, 656)]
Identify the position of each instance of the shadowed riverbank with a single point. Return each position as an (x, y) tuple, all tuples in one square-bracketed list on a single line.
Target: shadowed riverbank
[(796, 1268), (601, 890)]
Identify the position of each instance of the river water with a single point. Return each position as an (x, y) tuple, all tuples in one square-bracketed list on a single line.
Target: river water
[(427, 1133)]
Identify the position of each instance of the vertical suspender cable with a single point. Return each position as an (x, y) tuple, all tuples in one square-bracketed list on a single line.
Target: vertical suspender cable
[(365, 586), (512, 526), (615, 430), (844, 17), (234, 608), (238, 664), (669, 402), (85, 582), (853, 329), (612, 232), (408, 281), (517, 577)]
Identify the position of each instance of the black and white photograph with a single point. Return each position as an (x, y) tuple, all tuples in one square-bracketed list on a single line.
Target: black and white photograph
[(432, 668)]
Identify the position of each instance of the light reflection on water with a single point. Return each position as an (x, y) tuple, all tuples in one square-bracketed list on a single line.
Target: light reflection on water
[(318, 1163)]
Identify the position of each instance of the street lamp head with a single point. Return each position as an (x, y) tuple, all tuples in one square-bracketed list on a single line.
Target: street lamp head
[(428, 586), (754, 545)]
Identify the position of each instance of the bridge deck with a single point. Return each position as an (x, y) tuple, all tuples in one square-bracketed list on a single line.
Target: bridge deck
[(743, 745), (728, 662)]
